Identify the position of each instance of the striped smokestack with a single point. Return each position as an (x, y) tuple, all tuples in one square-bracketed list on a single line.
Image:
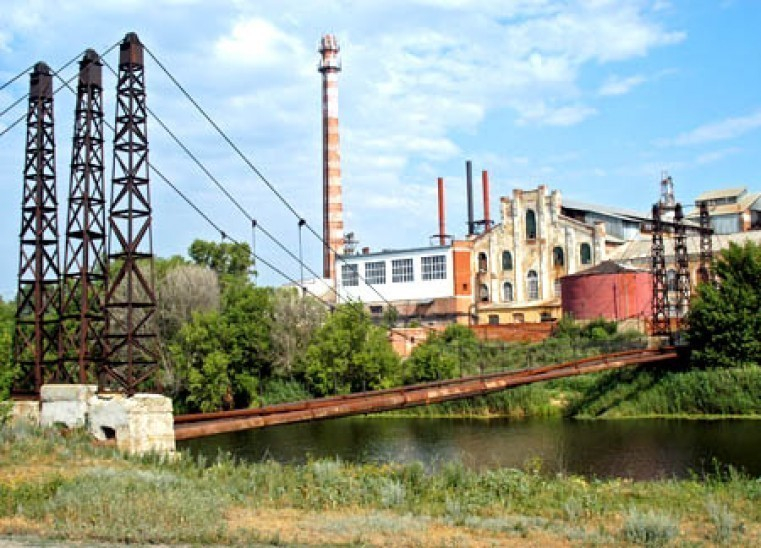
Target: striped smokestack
[(332, 204)]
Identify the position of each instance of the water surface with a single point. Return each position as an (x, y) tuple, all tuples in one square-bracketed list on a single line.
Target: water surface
[(637, 449)]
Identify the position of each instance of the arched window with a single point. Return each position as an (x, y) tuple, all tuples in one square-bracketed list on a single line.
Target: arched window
[(507, 260), (530, 224), (483, 262), (507, 292), (586, 254), (558, 257), (483, 293), (671, 280), (532, 285)]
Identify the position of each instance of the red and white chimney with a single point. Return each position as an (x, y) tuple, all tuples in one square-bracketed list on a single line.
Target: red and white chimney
[(332, 223)]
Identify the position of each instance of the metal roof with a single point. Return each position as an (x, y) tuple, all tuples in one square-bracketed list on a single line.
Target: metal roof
[(605, 210), (721, 193), (741, 205)]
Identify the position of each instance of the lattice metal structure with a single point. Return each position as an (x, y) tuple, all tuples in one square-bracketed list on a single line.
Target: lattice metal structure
[(682, 266), (132, 356), (83, 291), (38, 301), (660, 300), (706, 243)]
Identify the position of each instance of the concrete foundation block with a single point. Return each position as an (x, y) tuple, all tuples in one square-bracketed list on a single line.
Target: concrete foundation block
[(25, 412), (141, 424), (65, 404)]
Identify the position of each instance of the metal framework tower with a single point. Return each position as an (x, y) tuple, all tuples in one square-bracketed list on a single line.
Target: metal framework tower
[(131, 356), (82, 329), (38, 302), (660, 289), (332, 223), (706, 244), (682, 265)]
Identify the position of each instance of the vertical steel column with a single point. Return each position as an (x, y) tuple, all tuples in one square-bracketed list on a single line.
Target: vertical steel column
[(660, 290), (132, 356), (706, 243), (38, 301), (82, 329), (682, 266)]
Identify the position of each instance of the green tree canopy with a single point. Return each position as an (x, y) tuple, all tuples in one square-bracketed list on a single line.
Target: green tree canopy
[(350, 354), (725, 319), (229, 260), (442, 355)]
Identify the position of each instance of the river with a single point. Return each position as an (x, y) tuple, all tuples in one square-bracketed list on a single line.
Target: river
[(637, 449)]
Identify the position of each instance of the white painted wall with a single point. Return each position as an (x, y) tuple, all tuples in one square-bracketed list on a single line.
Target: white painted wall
[(416, 290)]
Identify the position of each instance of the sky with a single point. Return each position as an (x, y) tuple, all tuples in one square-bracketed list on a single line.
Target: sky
[(594, 98)]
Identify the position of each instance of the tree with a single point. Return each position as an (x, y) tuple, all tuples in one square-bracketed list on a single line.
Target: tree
[(442, 355), (350, 354), (229, 260), (296, 318), (724, 320), (7, 369)]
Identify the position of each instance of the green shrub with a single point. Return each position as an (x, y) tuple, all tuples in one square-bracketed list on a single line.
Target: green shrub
[(649, 528)]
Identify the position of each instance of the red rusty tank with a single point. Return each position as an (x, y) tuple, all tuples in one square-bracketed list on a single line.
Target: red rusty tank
[(608, 290)]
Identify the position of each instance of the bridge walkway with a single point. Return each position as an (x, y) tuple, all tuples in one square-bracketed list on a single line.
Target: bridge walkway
[(208, 424)]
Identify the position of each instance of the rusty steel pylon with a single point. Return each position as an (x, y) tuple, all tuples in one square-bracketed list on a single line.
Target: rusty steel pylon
[(660, 299), (132, 356), (82, 288), (681, 258), (706, 243), (38, 301)]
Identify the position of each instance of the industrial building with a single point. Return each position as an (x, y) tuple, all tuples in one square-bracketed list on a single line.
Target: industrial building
[(730, 210)]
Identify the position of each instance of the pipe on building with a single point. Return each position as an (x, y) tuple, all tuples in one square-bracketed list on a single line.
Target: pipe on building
[(469, 180), (485, 183), (442, 222)]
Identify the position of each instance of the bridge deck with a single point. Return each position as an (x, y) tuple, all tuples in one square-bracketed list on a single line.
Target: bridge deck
[(208, 424)]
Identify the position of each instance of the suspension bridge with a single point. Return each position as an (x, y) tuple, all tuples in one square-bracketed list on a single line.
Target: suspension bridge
[(90, 318)]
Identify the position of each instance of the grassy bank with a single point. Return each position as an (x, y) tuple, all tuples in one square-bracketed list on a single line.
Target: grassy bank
[(64, 488), (640, 392)]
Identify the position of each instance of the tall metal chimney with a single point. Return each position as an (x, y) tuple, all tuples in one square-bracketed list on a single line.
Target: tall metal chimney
[(485, 183), (469, 179), (442, 224), (332, 204)]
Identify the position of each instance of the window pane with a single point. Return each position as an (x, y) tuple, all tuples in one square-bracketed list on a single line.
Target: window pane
[(507, 292), (507, 260), (434, 267), (532, 282), (401, 270), (349, 275), (530, 224), (586, 254), (375, 273)]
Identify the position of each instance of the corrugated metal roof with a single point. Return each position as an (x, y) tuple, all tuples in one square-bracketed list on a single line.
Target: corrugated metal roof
[(721, 193), (727, 209), (605, 210), (640, 249)]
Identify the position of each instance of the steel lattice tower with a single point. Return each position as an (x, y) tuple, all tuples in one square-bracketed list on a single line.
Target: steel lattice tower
[(706, 243), (131, 357), (682, 265), (38, 302), (82, 331), (660, 289)]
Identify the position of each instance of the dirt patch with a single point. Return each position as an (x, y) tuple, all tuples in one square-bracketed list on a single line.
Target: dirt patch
[(372, 528)]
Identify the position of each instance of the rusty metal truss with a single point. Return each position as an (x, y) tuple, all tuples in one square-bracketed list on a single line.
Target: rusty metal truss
[(83, 291), (706, 244), (132, 355), (38, 301), (682, 266), (660, 300)]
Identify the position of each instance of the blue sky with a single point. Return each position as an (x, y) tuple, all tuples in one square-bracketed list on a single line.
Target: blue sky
[(595, 98)]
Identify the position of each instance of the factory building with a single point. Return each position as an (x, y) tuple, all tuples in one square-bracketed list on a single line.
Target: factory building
[(519, 262), (730, 210), (427, 285)]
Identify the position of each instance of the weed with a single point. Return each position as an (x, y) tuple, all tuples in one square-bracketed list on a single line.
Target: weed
[(649, 528), (724, 521)]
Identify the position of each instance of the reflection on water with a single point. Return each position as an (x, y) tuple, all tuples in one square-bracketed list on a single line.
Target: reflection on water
[(638, 449)]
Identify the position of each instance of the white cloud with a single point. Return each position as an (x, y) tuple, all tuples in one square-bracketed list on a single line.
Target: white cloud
[(541, 114), (616, 85), (256, 42), (716, 155), (724, 130)]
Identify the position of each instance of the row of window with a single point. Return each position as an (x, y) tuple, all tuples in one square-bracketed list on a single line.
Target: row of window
[(558, 258), (532, 289), (433, 267)]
